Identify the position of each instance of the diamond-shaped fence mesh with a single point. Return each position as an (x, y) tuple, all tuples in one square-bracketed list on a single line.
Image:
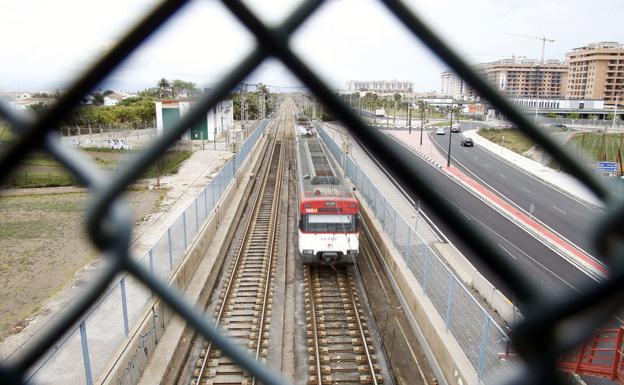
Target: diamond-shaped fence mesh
[(109, 224)]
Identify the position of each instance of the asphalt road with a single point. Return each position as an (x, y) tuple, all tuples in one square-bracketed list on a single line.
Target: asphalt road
[(541, 264), (567, 216)]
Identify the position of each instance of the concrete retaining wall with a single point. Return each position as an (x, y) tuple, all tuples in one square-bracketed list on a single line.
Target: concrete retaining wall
[(132, 358), (442, 345)]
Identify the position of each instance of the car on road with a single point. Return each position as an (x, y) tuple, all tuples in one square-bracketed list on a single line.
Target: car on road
[(466, 142), (455, 128), (440, 131)]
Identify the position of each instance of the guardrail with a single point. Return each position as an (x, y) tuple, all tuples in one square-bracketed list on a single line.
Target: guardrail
[(478, 334), (116, 312)]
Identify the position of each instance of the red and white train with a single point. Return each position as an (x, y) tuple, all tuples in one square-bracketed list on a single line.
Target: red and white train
[(328, 210)]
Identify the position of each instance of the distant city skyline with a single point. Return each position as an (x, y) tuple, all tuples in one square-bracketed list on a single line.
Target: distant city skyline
[(51, 42)]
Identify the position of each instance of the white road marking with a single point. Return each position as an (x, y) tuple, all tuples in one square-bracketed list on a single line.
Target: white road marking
[(503, 176), (527, 256), (507, 251), (525, 189), (558, 209), (486, 165)]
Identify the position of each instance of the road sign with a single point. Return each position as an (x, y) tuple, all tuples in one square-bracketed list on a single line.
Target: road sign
[(606, 167)]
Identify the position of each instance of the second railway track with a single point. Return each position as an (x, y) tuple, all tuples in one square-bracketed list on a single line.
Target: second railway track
[(245, 301)]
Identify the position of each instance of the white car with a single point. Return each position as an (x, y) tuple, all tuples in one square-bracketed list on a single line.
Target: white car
[(440, 131)]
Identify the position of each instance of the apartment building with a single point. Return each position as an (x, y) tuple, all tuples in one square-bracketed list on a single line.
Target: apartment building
[(455, 87), (597, 72), (381, 86), (527, 78), (514, 77)]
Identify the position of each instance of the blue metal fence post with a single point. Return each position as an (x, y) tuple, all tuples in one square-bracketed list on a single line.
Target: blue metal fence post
[(205, 203), (394, 235), (170, 249), (449, 303), (214, 189), (124, 304), (184, 227), (425, 270), (483, 351), (196, 218), (85, 353)]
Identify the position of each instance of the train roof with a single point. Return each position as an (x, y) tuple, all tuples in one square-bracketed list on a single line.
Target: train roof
[(318, 172)]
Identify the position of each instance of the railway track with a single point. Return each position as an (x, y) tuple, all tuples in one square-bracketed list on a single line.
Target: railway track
[(339, 345), (245, 301)]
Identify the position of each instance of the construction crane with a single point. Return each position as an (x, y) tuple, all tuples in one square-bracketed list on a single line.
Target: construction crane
[(543, 39)]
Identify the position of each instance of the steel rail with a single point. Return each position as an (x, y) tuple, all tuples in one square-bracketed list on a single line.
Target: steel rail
[(319, 379), (275, 226), (369, 359), (239, 255)]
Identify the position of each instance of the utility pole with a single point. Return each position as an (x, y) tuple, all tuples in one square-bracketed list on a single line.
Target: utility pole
[(395, 112), (409, 116), (242, 107), (448, 159), (422, 120), (614, 113), (227, 133)]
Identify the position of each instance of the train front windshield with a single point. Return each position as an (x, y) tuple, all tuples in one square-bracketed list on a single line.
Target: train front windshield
[(326, 223)]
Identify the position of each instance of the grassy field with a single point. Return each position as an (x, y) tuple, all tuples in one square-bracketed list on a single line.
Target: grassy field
[(41, 170), (514, 139), (598, 146), (42, 245)]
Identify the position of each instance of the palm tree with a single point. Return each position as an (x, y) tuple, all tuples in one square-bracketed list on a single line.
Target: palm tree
[(163, 87)]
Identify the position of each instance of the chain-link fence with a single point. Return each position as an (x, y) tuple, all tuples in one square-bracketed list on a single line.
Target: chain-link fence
[(539, 339), (480, 337), (82, 353)]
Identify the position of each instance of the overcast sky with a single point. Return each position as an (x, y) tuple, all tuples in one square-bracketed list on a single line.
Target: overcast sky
[(47, 43)]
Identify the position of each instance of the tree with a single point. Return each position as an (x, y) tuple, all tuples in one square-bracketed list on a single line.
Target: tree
[(163, 87), (108, 92), (183, 88), (37, 108), (98, 99), (575, 115)]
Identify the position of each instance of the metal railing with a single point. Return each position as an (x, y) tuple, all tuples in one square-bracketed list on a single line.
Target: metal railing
[(539, 339), (478, 334)]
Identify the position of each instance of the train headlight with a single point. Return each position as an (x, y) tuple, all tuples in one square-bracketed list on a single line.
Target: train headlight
[(307, 252)]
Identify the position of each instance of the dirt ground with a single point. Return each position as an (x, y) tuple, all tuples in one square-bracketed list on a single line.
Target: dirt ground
[(42, 245)]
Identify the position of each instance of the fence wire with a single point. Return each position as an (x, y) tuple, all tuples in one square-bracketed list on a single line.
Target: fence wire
[(539, 339)]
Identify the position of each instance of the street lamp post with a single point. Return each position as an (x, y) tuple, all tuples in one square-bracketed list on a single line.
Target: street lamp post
[(422, 120), (409, 115), (448, 159), (617, 98)]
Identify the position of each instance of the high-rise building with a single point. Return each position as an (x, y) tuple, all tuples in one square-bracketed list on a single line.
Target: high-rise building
[(597, 72), (381, 86), (455, 87), (527, 78)]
